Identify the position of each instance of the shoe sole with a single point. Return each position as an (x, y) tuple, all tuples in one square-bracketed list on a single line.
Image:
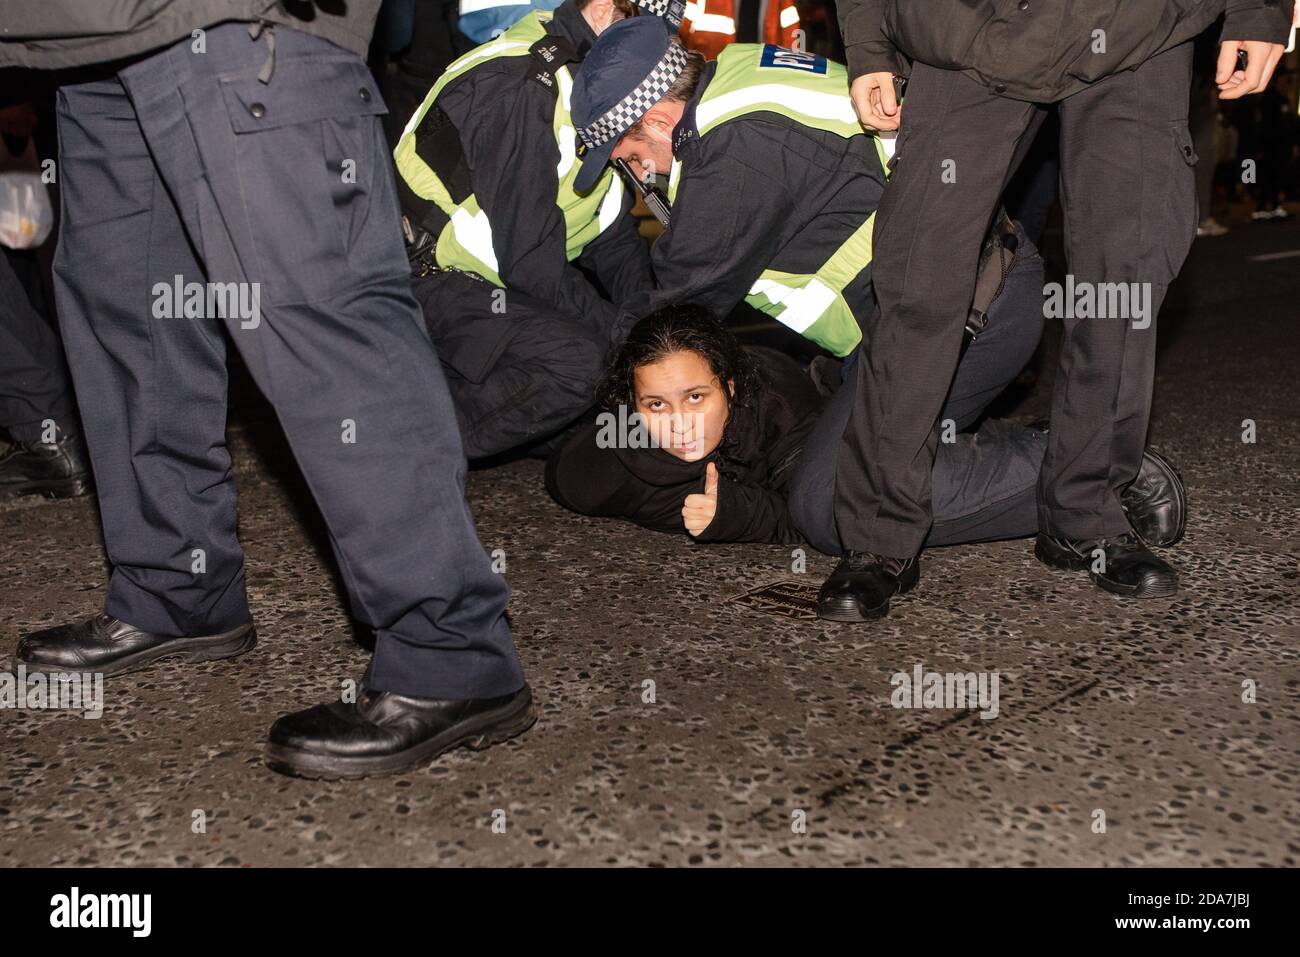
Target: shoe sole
[(850, 612), (50, 488), (1153, 590), (1181, 525), (479, 733), (228, 644)]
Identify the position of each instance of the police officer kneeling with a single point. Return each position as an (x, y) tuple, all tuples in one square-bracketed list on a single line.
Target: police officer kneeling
[(516, 271)]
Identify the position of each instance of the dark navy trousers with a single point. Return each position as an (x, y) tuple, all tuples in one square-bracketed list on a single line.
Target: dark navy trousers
[(34, 386), (225, 162)]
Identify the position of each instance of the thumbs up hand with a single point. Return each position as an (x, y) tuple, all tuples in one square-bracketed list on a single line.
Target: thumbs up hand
[(698, 510)]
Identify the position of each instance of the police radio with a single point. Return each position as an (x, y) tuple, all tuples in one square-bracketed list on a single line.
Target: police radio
[(651, 195)]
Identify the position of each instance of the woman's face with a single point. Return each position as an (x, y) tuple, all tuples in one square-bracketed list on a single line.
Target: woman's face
[(684, 404)]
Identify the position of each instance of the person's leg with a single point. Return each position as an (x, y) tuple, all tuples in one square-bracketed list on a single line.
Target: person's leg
[(518, 370), (34, 384), (1006, 345), (154, 388), (1032, 191), (1128, 189), (958, 147), (338, 345), (983, 485)]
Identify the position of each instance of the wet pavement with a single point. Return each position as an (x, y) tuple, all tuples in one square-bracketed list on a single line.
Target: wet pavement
[(1121, 735)]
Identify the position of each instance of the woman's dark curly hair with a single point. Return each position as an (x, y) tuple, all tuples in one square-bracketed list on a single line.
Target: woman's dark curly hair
[(680, 329)]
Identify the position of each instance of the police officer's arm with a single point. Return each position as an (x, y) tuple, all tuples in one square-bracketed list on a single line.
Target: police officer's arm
[(736, 198), (1259, 30), (505, 124), (1257, 20), (620, 256)]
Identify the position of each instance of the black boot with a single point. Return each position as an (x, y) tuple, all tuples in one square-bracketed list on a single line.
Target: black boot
[(56, 470), (860, 587), (1156, 502), (384, 733), (1122, 566), (110, 646)]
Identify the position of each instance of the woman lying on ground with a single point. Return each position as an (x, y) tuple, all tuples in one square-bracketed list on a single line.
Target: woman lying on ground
[(738, 444)]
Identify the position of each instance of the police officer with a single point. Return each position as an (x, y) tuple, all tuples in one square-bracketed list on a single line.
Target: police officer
[(516, 271), (772, 181), (249, 156), (982, 78), (774, 188)]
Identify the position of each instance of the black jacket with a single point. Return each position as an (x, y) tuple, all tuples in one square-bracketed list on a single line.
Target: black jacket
[(51, 34), (1040, 50), (504, 119), (755, 462)]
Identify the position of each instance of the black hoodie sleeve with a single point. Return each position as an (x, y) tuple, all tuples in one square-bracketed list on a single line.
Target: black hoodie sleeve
[(750, 513), (589, 480)]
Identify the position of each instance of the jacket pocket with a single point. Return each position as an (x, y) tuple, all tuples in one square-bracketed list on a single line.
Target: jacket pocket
[(306, 149)]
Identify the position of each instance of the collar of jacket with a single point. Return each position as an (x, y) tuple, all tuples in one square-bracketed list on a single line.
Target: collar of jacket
[(686, 131), (569, 23)]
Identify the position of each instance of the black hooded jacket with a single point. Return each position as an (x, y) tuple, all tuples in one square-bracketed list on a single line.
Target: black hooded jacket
[(755, 461)]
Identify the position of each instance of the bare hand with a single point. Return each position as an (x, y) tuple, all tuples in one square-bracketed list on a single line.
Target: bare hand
[(698, 510), (875, 102), (1261, 60)]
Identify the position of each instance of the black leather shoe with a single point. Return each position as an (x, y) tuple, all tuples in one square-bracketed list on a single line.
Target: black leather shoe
[(860, 587), (384, 733), (1156, 502), (1126, 565), (109, 646), (56, 470)]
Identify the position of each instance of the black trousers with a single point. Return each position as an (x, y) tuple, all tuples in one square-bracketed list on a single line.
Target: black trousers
[(518, 370), (34, 384), (983, 482), (187, 164), (1130, 217)]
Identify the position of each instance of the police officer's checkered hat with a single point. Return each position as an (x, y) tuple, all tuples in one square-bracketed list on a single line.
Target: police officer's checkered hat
[(629, 69), (670, 10)]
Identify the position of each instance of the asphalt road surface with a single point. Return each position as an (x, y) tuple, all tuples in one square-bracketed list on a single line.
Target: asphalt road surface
[(1122, 736)]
